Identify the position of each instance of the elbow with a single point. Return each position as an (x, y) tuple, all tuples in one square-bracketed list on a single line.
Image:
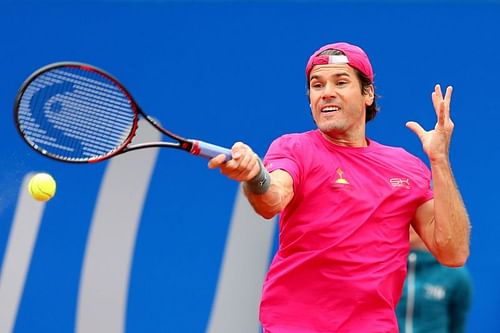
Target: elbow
[(265, 211), (457, 259), (267, 215), (453, 263), (452, 251)]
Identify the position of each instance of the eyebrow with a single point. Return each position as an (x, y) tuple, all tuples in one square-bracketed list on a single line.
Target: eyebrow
[(316, 76)]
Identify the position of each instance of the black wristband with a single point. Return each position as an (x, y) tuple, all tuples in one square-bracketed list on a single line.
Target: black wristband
[(260, 183)]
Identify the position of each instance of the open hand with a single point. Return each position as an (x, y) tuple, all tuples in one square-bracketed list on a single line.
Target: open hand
[(436, 142)]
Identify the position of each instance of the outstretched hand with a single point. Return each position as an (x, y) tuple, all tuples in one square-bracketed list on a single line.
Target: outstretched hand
[(436, 142), (243, 166)]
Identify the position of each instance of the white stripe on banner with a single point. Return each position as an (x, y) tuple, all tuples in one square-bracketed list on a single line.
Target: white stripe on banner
[(18, 252), (102, 301), (246, 259)]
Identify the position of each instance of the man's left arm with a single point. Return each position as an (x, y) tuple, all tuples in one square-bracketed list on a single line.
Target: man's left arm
[(442, 222)]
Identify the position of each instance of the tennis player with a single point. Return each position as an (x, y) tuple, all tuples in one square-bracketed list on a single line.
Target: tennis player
[(346, 203)]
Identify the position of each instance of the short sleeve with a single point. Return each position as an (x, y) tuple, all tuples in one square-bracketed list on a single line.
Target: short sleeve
[(283, 154), (428, 193)]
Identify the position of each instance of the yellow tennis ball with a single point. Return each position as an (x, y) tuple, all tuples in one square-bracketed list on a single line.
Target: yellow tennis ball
[(42, 186)]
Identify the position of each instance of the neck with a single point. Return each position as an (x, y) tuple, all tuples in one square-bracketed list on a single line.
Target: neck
[(346, 141)]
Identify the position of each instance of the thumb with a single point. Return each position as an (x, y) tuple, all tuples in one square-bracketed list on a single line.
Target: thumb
[(238, 150), (416, 128)]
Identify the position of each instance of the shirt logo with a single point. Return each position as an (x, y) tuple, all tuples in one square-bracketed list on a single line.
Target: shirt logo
[(340, 178), (341, 183), (400, 182)]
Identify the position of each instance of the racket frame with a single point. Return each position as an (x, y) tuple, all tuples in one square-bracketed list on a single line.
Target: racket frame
[(194, 147)]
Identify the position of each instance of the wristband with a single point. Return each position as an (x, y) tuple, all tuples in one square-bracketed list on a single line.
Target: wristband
[(260, 183)]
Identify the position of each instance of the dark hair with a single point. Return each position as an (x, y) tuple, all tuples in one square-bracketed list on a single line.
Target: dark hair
[(371, 110)]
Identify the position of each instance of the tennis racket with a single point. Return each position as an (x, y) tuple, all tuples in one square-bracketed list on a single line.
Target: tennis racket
[(78, 113)]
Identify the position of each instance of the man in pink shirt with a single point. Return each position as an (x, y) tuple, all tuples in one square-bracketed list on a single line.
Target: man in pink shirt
[(346, 203)]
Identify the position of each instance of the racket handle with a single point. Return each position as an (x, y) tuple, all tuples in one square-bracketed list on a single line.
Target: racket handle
[(209, 150)]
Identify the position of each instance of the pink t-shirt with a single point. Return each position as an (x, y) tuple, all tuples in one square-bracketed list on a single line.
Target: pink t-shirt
[(343, 244)]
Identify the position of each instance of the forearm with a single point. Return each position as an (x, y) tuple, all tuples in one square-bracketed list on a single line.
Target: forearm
[(268, 193), (451, 222), (275, 198)]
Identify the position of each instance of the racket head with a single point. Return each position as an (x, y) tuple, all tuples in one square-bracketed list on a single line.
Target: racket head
[(75, 112)]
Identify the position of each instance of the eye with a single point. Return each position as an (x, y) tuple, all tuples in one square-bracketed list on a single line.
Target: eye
[(316, 84)]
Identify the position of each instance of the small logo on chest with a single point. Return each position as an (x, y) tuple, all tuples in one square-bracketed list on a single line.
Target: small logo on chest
[(340, 177), (400, 182), (341, 182)]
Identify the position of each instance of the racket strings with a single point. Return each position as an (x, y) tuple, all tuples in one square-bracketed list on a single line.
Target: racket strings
[(88, 102), (76, 114)]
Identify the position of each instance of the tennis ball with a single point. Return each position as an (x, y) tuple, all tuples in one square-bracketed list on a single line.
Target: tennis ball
[(42, 186)]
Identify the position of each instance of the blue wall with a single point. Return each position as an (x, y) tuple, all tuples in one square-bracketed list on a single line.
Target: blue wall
[(227, 71)]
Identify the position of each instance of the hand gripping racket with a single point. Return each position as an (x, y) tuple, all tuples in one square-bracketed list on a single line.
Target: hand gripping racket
[(78, 113)]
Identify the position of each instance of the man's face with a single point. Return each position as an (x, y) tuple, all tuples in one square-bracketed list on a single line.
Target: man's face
[(337, 103)]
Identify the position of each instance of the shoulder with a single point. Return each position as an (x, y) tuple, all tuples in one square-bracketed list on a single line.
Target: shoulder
[(290, 152), (294, 142), (392, 150), (296, 137), (398, 155)]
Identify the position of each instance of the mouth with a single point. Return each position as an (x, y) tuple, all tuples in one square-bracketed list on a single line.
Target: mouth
[(330, 108)]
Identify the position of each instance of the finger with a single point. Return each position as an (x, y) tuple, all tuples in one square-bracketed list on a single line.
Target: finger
[(240, 165), (245, 165), (447, 96), (217, 161), (236, 173), (437, 89), (230, 169), (442, 115), (437, 97), (228, 166), (447, 100), (238, 149), (416, 128), (443, 107), (251, 167)]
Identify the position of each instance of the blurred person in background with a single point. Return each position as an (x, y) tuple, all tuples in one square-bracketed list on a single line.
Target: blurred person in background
[(436, 298)]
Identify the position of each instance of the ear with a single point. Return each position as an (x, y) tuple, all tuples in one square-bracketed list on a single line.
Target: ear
[(370, 95)]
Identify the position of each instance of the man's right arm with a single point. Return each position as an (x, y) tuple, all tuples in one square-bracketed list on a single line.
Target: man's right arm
[(277, 196), (268, 196)]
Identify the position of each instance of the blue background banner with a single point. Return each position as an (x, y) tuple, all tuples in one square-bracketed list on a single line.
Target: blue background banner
[(156, 242)]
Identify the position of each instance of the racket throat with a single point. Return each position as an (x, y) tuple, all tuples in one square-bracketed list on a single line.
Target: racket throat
[(193, 147), (208, 150)]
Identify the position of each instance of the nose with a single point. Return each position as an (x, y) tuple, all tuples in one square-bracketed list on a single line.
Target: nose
[(329, 91)]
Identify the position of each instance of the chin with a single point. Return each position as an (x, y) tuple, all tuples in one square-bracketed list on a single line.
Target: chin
[(330, 129)]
